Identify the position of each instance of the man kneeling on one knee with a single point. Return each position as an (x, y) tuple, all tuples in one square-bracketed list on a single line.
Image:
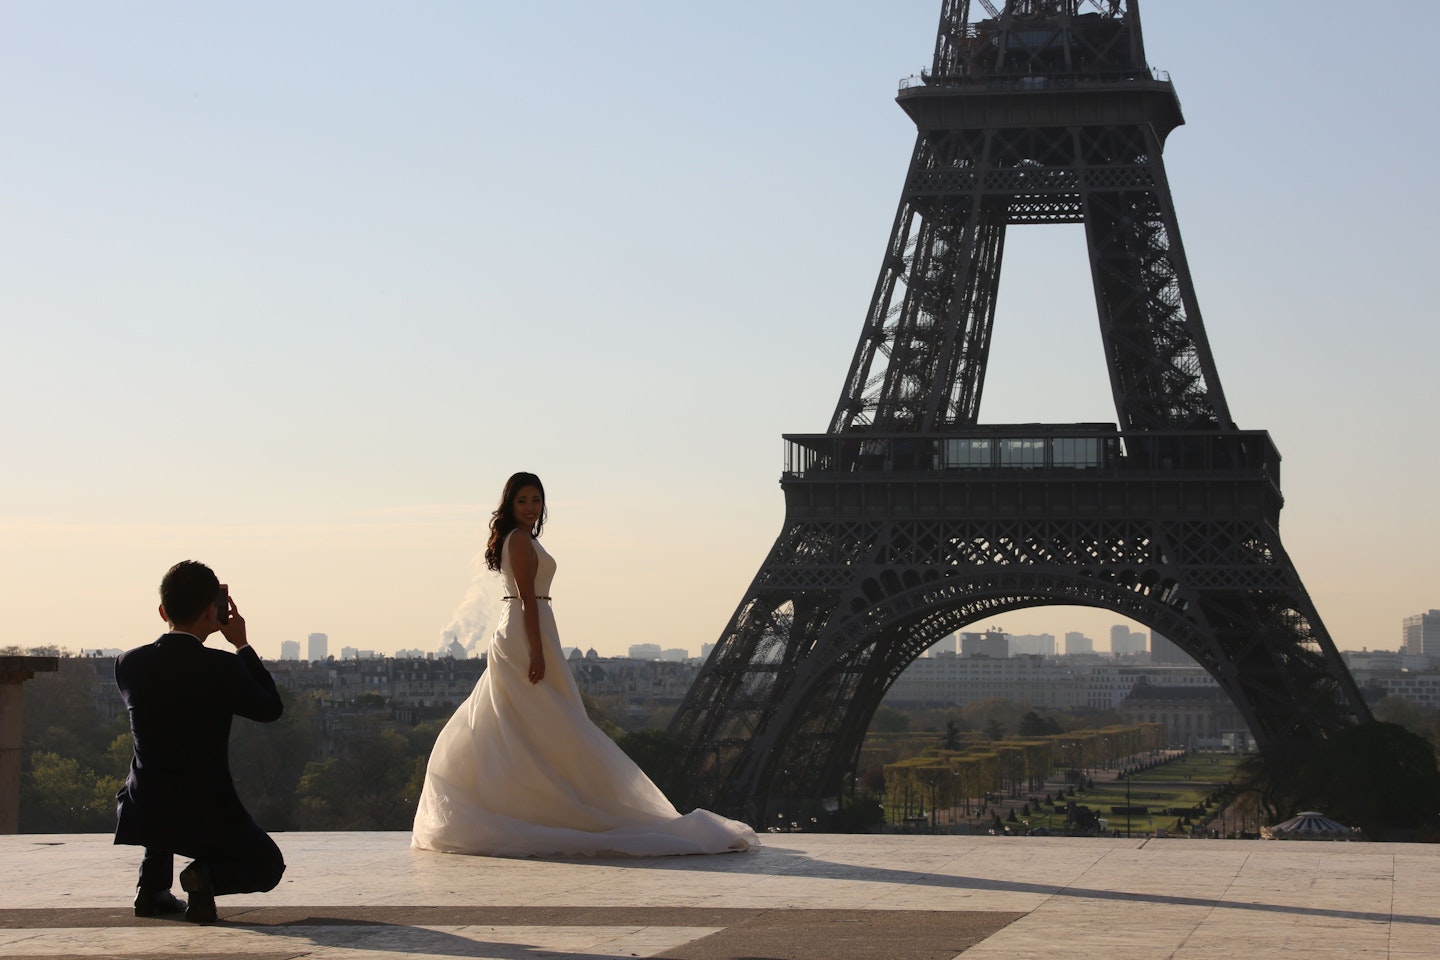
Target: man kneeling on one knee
[(178, 796)]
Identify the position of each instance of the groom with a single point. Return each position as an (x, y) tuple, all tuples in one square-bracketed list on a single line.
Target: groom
[(178, 797)]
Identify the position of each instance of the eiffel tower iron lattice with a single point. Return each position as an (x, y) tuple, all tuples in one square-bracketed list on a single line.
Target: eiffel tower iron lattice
[(908, 520)]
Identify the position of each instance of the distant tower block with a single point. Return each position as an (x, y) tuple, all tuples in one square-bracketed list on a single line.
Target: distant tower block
[(909, 520), (317, 647), (1126, 642), (1421, 635), (1163, 651)]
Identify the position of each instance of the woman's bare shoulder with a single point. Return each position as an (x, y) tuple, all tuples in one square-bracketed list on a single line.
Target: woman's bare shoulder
[(519, 540)]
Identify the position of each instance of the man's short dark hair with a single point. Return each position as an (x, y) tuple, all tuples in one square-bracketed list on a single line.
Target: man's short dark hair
[(187, 589)]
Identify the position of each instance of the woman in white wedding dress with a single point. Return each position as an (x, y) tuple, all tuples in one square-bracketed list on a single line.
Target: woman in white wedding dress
[(520, 770)]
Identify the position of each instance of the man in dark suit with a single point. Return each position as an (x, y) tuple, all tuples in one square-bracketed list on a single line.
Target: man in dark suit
[(179, 797)]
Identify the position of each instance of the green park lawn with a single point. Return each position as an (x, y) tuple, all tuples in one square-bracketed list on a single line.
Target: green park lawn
[(1183, 783)]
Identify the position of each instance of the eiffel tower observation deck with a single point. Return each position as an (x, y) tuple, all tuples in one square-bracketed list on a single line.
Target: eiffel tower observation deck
[(908, 518)]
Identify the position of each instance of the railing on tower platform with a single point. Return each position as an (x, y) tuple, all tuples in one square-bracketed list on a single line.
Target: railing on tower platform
[(1032, 81), (1029, 449)]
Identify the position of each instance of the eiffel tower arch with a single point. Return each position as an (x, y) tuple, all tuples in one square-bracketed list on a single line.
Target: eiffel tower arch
[(908, 519)]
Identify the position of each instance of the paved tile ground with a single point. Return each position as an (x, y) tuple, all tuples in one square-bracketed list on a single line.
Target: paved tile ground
[(803, 896)]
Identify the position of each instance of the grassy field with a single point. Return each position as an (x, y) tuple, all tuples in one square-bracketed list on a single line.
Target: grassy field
[(1168, 793), (1178, 785)]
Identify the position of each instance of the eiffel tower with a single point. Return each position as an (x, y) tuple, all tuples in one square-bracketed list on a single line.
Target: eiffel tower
[(908, 520)]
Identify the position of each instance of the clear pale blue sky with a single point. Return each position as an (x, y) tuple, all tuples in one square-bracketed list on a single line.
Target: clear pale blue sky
[(292, 288)]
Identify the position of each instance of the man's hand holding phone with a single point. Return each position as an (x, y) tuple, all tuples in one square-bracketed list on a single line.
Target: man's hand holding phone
[(232, 625)]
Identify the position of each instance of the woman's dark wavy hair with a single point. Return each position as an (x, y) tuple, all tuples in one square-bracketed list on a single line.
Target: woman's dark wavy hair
[(502, 521)]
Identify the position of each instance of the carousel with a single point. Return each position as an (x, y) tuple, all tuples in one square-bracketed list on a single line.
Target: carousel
[(1310, 825)]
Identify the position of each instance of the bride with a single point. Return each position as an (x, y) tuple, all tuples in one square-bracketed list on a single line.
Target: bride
[(520, 770)]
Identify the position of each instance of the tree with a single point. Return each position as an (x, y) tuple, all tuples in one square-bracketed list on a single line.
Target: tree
[(858, 814), (267, 760), (606, 713), (60, 714), (938, 719), (69, 771), (367, 788), (58, 795), (889, 720), (661, 755), (117, 757), (1081, 821), (1377, 776), (994, 714), (422, 736), (1410, 715), (1034, 725)]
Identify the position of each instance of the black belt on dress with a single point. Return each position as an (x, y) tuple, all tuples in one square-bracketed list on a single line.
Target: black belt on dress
[(518, 598)]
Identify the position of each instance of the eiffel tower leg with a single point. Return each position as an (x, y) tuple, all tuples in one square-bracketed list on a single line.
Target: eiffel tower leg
[(931, 315), (727, 716), (1259, 634), (1161, 368)]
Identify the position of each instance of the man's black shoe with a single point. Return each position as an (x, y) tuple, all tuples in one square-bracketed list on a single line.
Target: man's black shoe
[(154, 903), (195, 880)]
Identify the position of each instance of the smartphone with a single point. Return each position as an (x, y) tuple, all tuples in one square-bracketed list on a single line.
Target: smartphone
[(222, 605)]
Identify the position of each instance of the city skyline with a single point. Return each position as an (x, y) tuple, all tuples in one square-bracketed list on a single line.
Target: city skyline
[(292, 290)]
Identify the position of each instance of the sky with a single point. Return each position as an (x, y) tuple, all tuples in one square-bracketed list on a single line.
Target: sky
[(292, 288)]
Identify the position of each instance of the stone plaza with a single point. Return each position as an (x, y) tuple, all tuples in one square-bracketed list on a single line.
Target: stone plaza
[(836, 897)]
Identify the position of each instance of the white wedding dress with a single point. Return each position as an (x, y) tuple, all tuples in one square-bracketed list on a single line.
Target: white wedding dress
[(521, 771)]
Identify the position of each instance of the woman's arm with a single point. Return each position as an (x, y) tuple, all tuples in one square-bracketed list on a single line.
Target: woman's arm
[(522, 561)]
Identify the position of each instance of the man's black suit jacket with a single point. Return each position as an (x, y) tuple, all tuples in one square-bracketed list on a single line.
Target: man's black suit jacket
[(181, 696)]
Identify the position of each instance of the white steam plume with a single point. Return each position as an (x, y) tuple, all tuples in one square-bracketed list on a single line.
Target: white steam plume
[(470, 623)]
